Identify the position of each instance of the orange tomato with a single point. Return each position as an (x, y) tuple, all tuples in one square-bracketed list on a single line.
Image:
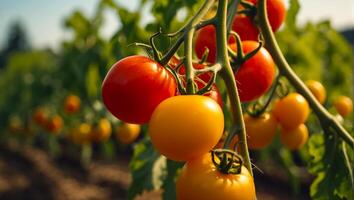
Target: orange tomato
[(72, 104), (295, 138), (317, 90), (343, 105), (102, 131), (127, 133)]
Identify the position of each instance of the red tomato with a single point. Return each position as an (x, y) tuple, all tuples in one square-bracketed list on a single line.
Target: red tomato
[(134, 86), (206, 38), (255, 76), (247, 29), (276, 12)]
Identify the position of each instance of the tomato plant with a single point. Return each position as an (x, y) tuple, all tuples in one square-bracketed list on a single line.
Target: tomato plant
[(130, 92), (184, 127), (200, 179), (260, 67)]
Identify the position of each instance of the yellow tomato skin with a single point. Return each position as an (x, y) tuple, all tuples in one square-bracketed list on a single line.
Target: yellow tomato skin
[(260, 130), (294, 139), (317, 90), (186, 126), (81, 134), (343, 105), (200, 180), (291, 111), (102, 131), (127, 133), (72, 104)]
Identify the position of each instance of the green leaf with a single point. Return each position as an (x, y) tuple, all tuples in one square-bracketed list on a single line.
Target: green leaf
[(141, 167), (169, 184), (93, 81), (328, 164), (291, 14)]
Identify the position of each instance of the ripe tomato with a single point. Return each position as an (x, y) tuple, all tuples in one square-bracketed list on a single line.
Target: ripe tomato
[(255, 76), (187, 126), (291, 111), (127, 133), (276, 12), (199, 179), (343, 105), (54, 124), (317, 90), (102, 131), (72, 104), (214, 92), (295, 138), (81, 134), (247, 29), (39, 116), (260, 130), (134, 86), (206, 38)]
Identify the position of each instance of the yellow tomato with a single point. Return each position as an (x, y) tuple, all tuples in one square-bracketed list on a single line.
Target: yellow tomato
[(200, 180), (102, 131), (343, 105), (127, 133), (187, 126), (260, 130), (295, 138), (317, 90), (291, 111), (81, 134)]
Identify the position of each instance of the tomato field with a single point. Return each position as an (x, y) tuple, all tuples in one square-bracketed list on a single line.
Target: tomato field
[(216, 99)]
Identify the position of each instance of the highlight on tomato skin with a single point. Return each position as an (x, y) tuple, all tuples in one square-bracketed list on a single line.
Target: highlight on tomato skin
[(134, 86), (256, 75)]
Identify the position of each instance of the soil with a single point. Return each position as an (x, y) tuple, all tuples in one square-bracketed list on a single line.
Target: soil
[(29, 173)]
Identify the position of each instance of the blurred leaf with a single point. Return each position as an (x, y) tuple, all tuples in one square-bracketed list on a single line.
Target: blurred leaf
[(93, 81)]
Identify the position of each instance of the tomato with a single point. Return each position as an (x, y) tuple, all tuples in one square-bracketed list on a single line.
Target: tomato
[(39, 116), (54, 124), (206, 38), (214, 93), (276, 12), (186, 126), (343, 105), (246, 27), (199, 179), (291, 111), (134, 86), (260, 130), (72, 104), (255, 76), (317, 90), (127, 133), (81, 134), (102, 131), (295, 138)]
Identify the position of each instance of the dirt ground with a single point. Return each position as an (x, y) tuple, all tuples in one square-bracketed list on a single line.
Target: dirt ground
[(28, 173)]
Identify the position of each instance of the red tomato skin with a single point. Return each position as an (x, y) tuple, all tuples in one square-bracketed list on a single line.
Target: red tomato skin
[(256, 75), (206, 38), (276, 12), (134, 86), (245, 28)]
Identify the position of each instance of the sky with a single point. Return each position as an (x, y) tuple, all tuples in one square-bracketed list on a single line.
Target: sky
[(43, 19)]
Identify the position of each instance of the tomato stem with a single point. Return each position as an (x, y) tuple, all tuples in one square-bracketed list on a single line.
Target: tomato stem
[(229, 79), (271, 44)]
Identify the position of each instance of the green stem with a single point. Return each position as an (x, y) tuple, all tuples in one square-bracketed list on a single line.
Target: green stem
[(271, 44), (228, 77)]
